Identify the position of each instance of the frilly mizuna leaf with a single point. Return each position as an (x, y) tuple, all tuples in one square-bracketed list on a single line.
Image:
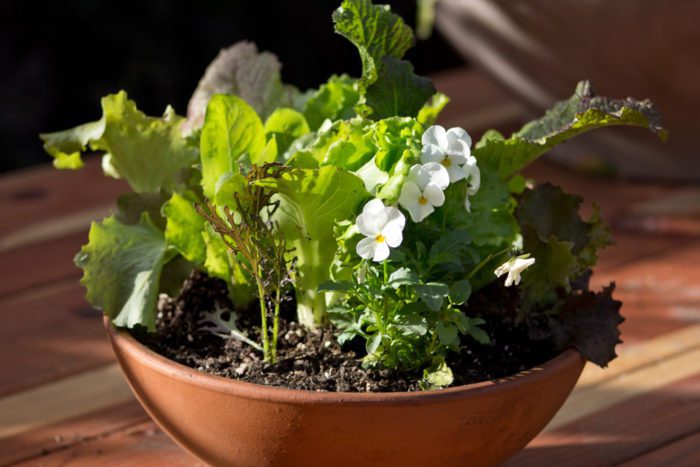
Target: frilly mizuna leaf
[(122, 265), (241, 70), (148, 152), (582, 112)]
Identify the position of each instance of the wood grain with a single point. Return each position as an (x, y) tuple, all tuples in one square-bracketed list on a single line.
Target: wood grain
[(623, 432), (40, 194), (62, 400), (47, 334)]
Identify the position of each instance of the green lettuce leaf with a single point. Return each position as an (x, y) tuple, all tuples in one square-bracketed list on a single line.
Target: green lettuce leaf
[(582, 112), (398, 91), (231, 129), (375, 31), (243, 71), (311, 202), (334, 100), (149, 153), (429, 113), (122, 266), (285, 125), (184, 227)]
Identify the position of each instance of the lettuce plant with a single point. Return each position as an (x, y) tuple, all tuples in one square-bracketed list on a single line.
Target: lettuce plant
[(383, 222)]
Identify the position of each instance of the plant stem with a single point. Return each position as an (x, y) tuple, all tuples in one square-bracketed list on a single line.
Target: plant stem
[(485, 262), (263, 326), (275, 324)]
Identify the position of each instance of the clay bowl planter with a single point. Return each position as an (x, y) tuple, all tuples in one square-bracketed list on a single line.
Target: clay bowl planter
[(227, 422)]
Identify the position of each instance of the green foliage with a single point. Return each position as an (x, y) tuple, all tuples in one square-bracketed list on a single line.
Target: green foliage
[(285, 126), (148, 152), (406, 324), (398, 91), (375, 31), (582, 112), (334, 100), (563, 244), (281, 177), (388, 86), (242, 71), (122, 265), (311, 202), (231, 129)]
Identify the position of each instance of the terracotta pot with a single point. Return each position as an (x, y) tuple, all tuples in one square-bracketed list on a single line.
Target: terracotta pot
[(233, 423), (539, 49)]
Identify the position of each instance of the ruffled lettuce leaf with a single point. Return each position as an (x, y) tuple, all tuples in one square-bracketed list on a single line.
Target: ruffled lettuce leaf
[(398, 91), (563, 244), (122, 267), (334, 100), (312, 201), (285, 125), (375, 31), (582, 112), (430, 111), (149, 153), (243, 71), (388, 86), (589, 322)]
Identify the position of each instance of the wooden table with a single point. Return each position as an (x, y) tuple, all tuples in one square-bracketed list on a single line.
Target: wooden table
[(63, 400)]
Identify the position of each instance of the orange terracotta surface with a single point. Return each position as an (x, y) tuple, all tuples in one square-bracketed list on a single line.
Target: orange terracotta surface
[(227, 422)]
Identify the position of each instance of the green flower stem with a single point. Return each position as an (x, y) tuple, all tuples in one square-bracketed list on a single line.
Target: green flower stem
[(486, 261)]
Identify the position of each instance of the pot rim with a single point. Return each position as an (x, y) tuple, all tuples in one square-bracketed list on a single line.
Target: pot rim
[(123, 341)]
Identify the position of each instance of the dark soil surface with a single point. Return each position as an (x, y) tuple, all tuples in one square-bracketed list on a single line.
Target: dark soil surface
[(313, 360)]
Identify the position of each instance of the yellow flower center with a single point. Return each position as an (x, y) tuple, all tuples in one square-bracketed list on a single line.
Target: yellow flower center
[(422, 200), (379, 238), (446, 162)]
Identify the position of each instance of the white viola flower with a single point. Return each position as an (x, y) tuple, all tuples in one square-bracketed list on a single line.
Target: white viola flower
[(422, 192), (383, 228), (473, 176), (449, 148), (514, 267)]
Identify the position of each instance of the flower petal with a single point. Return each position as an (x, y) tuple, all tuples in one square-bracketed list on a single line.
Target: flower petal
[(437, 175), (455, 173), (419, 211), (366, 247), (419, 176), (381, 251), (431, 153), (395, 217), (368, 224), (393, 234), (434, 195), (458, 134), (374, 207), (474, 180), (435, 135), (409, 194)]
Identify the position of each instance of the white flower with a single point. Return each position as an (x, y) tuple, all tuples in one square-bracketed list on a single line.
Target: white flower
[(383, 227), (449, 148), (514, 267), (422, 192), (473, 176)]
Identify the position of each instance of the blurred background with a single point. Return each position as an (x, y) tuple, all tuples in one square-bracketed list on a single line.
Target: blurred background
[(58, 58)]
